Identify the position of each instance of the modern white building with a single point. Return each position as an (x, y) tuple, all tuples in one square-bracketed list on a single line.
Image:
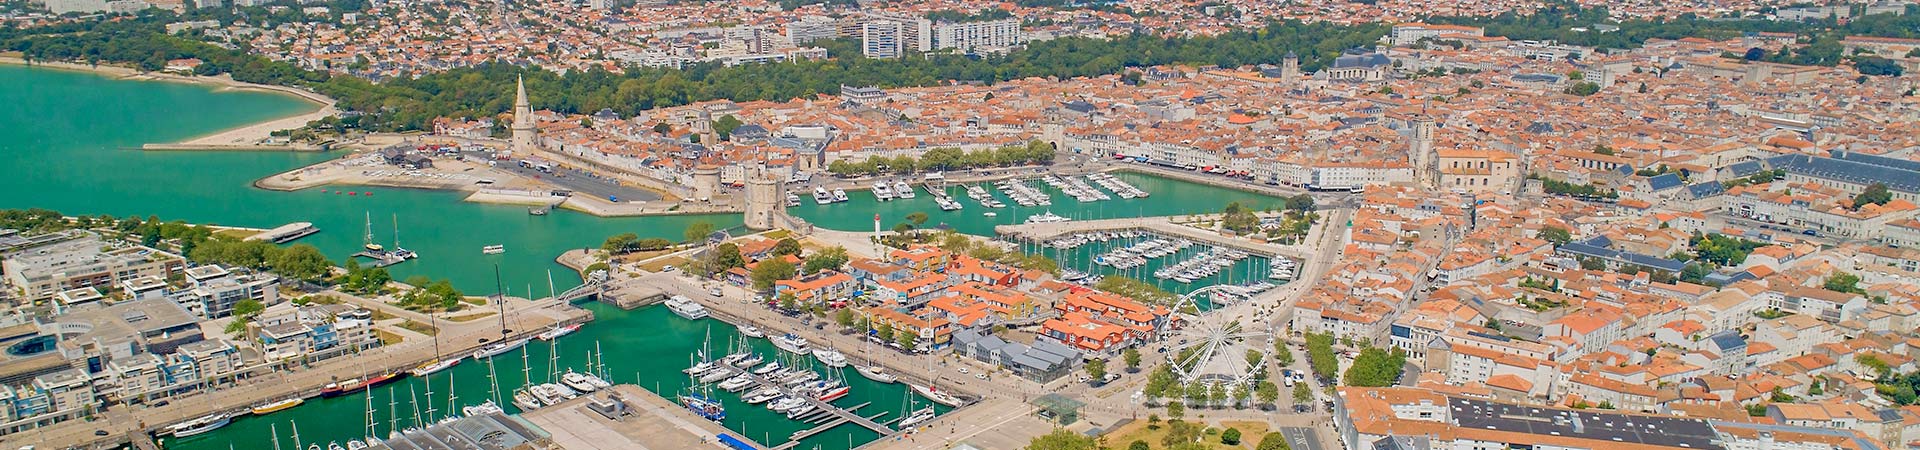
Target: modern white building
[(970, 36)]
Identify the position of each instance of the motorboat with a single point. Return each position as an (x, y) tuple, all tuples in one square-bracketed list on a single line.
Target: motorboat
[(525, 400), (498, 348), (798, 411), (558, 331), (737, 383), (791, 343), (1046, 217), (494, 249), (793, 200), (762, 395), (686, 307), (902, 190), (752, 331), (579, 382), (820, 196), (716, 375), (200, 425), (839, 195), (830, 357), (786, 404), (767, 369), (933, 393), (702, 367), (835, 393), (752, 359), (273, 407), (484, 408), (882, 192)]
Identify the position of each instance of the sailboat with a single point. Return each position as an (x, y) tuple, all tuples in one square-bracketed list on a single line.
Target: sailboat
[(934, 393), (498, 348), (439, 362), (873, 371), (913, 416), (399, 251)]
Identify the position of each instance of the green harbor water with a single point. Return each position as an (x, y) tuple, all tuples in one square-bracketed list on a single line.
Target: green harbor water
[(1084, 258), (72, 145), (647, 347), (1167, 197)]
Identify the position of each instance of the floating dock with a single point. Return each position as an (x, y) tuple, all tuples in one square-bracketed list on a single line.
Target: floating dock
[(285, 233), (383, 258)]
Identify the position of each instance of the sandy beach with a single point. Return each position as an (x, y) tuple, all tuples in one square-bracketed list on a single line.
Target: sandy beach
[(246, 137)]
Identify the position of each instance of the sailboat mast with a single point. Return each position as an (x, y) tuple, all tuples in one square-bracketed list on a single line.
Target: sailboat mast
[(499, 298), (369, 410), (274, 430), (296, 434), (393, 412), (396, 231), (369, 230), (493, 382), (550, 291), (452, 395)]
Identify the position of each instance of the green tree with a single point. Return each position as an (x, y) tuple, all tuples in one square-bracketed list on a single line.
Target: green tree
[(1302, 393), (786, 246), (1139, 445), (698, 231), (1376, 368), (1281, 353), (1132, 357), (787, 301), (1273, 441), (620, 243), (1231, 436), (1844, 282), (1267, 392), (1556, 235), (725, 125), (918, 218), (1874, 194), (1176, 410), (844, 317), (1061, 439), (727, 256), (1320, 356), (909, 338), (770, 270), (1097, 369), (885, 333), (829, 258), (301, 262), (1583, 88)]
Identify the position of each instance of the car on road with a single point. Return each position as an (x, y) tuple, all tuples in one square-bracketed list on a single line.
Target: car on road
[(716, 292), (99, 432), (963, 371), (981, 376)]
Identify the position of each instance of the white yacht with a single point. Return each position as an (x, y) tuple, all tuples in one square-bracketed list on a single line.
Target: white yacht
[(751, 331), (1046, 217), (820, 196), (686, 307), (497, 348), (791, 343), (839, 195), (902, 190), (916, 417), (830, 357), (882, 192), (932, 393), (200, 425), (877, 373)]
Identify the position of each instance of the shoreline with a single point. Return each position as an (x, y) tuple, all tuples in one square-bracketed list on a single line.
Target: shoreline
[(291, 181), (239, 138)]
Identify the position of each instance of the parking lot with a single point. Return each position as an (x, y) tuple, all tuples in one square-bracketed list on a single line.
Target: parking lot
[(581, 182)]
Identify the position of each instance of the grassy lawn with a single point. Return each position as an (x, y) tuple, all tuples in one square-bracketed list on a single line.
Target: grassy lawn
[(660, 264), (776, 234), (236, 234), (469, 317), (1152, 434), (421, 328), (472, 300), (388, 338), (646, 255)]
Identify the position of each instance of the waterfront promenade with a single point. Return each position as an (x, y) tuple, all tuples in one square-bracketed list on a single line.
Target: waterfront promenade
[(1038, 232), (456, 338)]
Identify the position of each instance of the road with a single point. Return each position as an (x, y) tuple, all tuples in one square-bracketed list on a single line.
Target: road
[(1301, 438)]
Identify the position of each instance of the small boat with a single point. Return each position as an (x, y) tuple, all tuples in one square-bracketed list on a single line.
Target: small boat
[(830, 357), (429, 367), (558, 331), (820, 196), (335, 446), (767, 369), (835, 393), (752, 332), (704, 406), (933, 393), (498, 348), (736, 383), (786, 404), (339, 388), (793, 200), (800, 410), (270, 408), (1047, 217), (877, 373), (356, 444), (882, 192), (579, 381), (525, 400), (716, 375), (378, 381), (686, 307), (791, 343), (752, 359), (902, 190), (493, 249), (200, 425), (916, 417), (484, 408), (541, 211), (702, 367), (990, 214), (839, 196), (762, 396)]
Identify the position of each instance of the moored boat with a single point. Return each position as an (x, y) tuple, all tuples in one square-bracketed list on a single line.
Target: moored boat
[(200, 425), (877, 373), (791, 343), (273, 407), (933, 393), (558, 331), (429, 367), (498, 348)]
